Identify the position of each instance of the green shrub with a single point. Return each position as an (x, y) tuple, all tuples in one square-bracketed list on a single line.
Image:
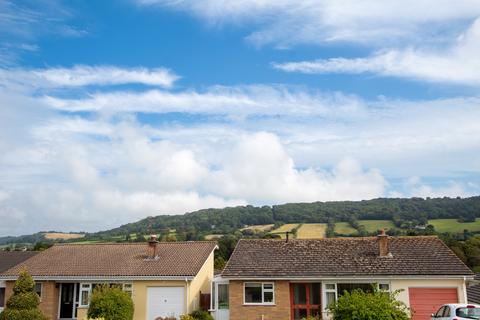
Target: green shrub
[(187, 317), (376, 305), (111, 304), (23, 304), (201, 315)]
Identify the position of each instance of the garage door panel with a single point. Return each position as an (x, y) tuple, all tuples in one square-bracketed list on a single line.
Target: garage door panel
[(165, 302), (425, 301)]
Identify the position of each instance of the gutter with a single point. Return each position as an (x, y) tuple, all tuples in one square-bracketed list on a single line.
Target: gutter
[(101, 278), (327, 278)]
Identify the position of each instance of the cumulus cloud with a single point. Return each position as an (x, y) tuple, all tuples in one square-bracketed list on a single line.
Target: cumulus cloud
[(260, 169), (459, 64), (287, 22), (84, 75)]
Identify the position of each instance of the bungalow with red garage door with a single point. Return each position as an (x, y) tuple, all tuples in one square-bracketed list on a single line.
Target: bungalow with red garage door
[(293, 279)]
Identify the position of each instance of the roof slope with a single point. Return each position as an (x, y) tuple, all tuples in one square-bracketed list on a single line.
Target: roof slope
[(343, 257), (473, 292), (110, 260), (9, 259)]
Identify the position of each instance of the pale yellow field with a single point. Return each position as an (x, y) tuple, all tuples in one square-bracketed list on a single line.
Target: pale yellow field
[(213, 236), (64, 236), (259, 227), (312, 231)]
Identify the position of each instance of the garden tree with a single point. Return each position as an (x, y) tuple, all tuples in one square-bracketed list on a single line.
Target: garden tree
[(219, 263), (375, 305), (110, 303), (23, 304)]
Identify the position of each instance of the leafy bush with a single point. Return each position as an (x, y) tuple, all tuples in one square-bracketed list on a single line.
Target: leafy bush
[(201, 315), (187, 317), (23, 304), (111, 304), (376, 305)]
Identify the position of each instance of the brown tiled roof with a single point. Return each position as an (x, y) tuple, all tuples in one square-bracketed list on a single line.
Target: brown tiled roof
[(473, 292), (343, 257), (9, 259), (110, 260)]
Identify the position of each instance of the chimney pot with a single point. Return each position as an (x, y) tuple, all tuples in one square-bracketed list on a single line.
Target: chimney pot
[(383, 247)]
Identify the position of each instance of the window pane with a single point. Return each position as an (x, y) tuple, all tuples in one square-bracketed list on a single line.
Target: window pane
[(384, 287), (38, 289), (213, 296), (299, 294), (84, 299), (473, 313), (268, 296), (223, 296), (268, 286), (330, 298), (2, 297), (253, 293), (299, 314), (315, 293), (330, 286), (446, 313)]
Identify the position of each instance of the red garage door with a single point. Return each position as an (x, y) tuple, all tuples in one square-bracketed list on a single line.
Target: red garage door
[(425, 301)]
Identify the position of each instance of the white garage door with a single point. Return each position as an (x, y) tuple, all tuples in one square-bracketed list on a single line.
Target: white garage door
[(165, 301)]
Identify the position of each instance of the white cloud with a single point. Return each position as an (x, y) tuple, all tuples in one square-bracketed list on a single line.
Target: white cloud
[(286, 22), (241, 100), (255, 144), (260, 169), (459, 64), (84, 75), (417, 188)]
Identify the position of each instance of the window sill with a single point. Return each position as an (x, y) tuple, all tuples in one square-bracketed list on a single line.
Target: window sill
[(260, 304)]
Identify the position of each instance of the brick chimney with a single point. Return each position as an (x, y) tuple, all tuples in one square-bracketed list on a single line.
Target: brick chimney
[(383, 248), (153, 247)]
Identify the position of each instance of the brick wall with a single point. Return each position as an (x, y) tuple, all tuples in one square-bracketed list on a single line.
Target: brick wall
[(279, 311), (49, 303)]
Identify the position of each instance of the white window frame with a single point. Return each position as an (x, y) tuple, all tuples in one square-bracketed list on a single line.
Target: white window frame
[(84, 287), (325, 290), (263, 303), (88, 287)]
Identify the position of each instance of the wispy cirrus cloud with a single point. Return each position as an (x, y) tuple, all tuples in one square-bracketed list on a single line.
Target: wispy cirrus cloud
[(22, 23), (85, 75), (458, 64), (371, 22), (234, 100)]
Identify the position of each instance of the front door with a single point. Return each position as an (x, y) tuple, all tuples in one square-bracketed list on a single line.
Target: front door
[(67, 299), (305, 300)]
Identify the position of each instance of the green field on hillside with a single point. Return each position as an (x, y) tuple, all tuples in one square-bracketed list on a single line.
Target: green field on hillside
[(452, 225), (312, 231), (344, 228), (375, 225)]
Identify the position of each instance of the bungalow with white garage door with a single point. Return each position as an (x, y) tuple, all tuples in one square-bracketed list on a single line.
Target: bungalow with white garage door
[(293, 279), (163, 278)]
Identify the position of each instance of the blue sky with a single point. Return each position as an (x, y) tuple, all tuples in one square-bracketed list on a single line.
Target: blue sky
[(111, 111)]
